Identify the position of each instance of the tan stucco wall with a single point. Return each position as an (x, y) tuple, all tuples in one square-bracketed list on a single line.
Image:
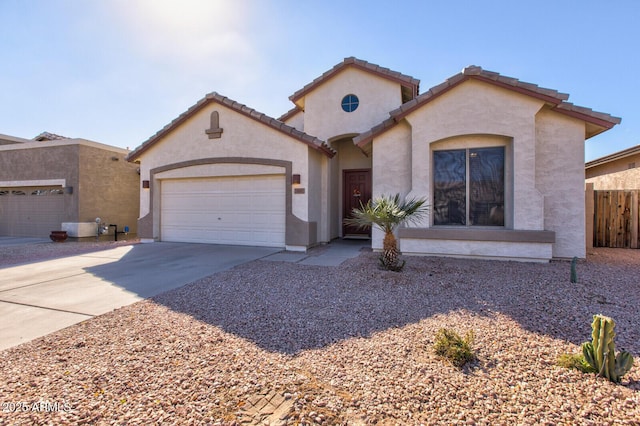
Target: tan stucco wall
[(475, 108), (479, 114), (324, 117), (623, 173), (242, 138), (317, 166), (627, 179), (614, 166), (391, 168), (560, 179), (392, 162), (297, 121)]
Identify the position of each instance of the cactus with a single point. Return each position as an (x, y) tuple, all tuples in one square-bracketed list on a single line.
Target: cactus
[(600, 352), (574, 273)]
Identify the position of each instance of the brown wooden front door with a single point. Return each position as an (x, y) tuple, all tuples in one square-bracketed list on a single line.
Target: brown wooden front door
[(356, 190)]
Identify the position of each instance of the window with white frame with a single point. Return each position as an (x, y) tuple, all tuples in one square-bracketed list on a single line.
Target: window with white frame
[(469, 186)]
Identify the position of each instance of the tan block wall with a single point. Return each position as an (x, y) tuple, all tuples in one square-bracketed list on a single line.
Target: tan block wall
[(109, 188), (36, 161), (101, 187)]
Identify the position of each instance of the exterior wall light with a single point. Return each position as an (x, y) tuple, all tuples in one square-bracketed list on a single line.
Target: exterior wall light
[(145, 184), (295, 179)]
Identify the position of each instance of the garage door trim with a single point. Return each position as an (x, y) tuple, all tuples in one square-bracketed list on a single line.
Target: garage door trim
[(298, 233)]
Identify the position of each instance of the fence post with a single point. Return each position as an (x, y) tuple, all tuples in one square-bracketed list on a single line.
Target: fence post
[(634, 219), (589, 211)]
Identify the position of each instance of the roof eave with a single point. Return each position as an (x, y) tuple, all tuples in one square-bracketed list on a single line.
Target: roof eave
[(634, 150), (599, 122), (596, 122), (214, 97)]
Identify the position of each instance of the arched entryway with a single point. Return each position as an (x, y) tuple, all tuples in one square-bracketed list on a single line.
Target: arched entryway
[(352, 178)]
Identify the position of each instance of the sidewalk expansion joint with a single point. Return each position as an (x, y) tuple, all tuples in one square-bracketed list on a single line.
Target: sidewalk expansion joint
[(47, 308), (42, 282)]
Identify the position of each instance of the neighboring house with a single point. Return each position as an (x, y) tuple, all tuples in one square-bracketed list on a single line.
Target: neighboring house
[(500, 161), (52, 180), (620, 170), (613, 189)]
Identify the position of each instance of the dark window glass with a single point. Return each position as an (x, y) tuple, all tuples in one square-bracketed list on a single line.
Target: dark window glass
[(449, 203), (469, 187), (350, 103)]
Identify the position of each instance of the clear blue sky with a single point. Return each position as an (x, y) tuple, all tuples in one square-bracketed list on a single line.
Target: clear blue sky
[(117, 71)]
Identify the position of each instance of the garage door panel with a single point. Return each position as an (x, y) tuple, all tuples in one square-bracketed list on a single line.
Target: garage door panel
[(246, 210), (31, 212)]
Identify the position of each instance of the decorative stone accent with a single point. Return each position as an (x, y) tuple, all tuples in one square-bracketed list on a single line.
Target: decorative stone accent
[(215, 131)]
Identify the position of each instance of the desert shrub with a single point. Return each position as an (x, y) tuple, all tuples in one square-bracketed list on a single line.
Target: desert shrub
[(453, 348), (575, 361)]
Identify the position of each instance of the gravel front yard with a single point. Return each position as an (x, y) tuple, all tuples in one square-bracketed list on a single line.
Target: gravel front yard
[(288, 344)]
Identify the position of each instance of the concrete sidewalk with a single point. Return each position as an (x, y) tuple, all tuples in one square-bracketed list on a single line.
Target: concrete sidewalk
[(332, 254), (39, 298)]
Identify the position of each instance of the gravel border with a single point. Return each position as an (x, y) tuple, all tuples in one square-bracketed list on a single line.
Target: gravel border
[(341, 345)]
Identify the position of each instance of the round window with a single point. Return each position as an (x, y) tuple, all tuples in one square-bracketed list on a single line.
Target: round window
[(350, 103)]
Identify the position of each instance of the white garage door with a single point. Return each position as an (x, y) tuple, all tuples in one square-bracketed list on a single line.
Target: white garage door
[(239, 210)]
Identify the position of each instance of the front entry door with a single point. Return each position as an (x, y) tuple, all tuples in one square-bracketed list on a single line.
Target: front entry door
[(356, 190)]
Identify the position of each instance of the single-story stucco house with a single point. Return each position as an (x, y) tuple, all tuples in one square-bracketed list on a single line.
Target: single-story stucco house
[(620, 170), (613, 190), (52, 183), (500, 161)]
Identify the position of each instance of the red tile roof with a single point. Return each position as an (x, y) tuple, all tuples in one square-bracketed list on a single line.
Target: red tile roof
[(214, 97), (599, 121)]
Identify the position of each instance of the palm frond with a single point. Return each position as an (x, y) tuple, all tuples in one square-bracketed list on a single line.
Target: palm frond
[(387, 212)]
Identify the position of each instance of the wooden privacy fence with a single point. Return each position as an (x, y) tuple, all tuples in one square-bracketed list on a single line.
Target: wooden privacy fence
[(616, 218)]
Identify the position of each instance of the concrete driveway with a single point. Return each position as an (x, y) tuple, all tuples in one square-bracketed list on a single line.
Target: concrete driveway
[(39, 298)]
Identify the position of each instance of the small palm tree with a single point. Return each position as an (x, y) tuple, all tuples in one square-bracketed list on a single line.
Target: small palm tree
[(387, 213)]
